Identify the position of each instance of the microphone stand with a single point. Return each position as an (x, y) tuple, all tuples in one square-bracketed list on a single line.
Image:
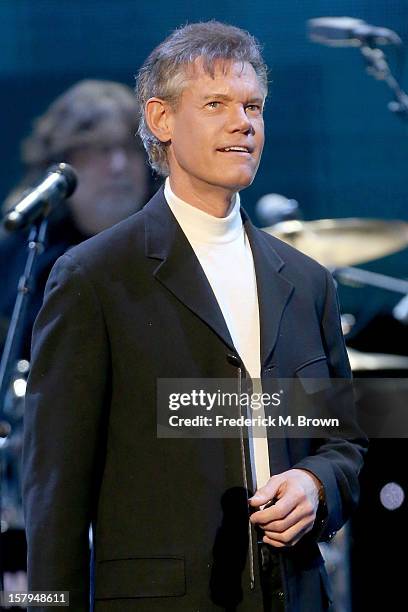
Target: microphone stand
[(357, 277), (377, 66), (36, 245)]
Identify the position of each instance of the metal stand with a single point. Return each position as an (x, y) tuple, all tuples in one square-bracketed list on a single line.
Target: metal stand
[(36, 245), (357, 277), (378, 67)]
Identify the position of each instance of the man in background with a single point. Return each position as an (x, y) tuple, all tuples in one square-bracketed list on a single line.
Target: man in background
[(93, 126)]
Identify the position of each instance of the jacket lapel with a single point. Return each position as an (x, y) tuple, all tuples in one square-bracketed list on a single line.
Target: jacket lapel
[(179, 269), (274, 290), (181, 273)]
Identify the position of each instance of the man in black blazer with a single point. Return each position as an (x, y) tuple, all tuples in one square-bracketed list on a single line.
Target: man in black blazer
[(172, 523)]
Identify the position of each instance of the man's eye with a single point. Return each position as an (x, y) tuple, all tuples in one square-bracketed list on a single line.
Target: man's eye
[(213, 104), (254, 108)]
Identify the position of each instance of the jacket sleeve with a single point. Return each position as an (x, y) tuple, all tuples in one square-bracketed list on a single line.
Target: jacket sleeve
[(337, 461), (65, 431)]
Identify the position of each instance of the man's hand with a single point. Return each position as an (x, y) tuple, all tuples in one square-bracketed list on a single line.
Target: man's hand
[(297, 498)]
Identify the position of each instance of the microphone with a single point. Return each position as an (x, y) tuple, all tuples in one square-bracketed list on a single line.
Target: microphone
[(349, 32), (59, 183), (273, 208)]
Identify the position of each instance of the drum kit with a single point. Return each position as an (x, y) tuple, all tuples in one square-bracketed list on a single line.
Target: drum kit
[(340, 244)]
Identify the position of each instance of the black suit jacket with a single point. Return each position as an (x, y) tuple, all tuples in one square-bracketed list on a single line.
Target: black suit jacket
[(170, 520)]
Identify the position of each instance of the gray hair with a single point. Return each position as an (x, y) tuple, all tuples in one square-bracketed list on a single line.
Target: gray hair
[(163, 74)]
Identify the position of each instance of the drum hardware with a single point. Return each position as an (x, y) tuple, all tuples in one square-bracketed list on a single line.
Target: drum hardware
[(347, 323), (360, 278), (356, 277), (341, 243), (337, 243), (364, 362)]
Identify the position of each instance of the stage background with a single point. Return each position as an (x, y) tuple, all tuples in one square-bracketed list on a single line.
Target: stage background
[(331, 142)]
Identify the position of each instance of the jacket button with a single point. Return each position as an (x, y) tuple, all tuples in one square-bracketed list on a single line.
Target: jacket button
[(234, 360)]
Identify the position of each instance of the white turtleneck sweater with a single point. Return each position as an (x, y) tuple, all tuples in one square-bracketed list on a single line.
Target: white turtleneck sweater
[(224, 252)]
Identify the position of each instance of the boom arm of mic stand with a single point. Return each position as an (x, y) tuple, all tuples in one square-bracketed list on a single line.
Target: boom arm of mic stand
[(378, 67)]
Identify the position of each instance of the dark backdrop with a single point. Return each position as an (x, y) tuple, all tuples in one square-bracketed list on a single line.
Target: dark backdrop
[(331, 142)]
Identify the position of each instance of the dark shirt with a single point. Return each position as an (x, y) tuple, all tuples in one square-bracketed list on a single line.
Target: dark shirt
[(62, 234)]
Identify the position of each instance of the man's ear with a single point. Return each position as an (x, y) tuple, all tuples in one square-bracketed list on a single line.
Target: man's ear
[(158, 114)]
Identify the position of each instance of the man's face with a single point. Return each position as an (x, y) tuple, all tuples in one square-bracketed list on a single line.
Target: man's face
[(213, 116), (112, 184)]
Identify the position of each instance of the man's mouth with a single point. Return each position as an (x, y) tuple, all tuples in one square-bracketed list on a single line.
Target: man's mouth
[(236, 149)]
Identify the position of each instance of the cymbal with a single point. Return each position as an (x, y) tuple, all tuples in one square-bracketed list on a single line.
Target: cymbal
[(363, 362), (343, 242)]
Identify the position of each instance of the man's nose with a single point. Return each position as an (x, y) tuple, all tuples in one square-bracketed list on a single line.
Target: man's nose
[(239, 121)]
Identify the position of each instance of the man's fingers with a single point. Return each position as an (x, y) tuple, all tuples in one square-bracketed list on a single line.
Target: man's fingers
[(267, 493), (294, 512), (279, 510), (274, 543), (278, 544), (289, 537), (282, 525)]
